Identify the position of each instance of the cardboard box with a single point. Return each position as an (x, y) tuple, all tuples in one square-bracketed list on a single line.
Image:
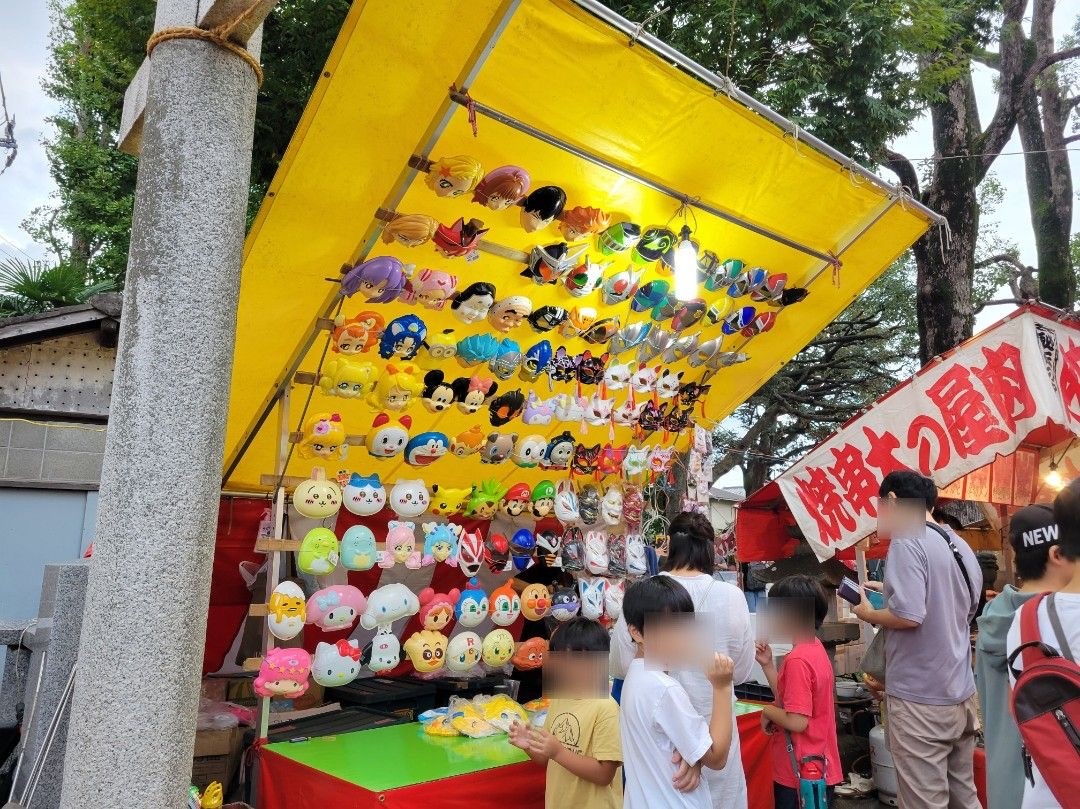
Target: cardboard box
[(217, 756)]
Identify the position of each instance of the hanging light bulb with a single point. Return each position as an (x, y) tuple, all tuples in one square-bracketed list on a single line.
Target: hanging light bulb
[(1054, 479), (686, 264)]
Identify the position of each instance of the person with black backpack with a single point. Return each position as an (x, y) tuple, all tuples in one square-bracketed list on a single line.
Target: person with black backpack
[(1043, 643), (932, 582)]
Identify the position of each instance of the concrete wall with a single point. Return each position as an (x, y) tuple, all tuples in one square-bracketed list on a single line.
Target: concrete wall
[(34, 450), (71, 374)]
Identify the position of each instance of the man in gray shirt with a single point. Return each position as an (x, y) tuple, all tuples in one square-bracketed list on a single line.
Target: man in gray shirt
[(932, 582)]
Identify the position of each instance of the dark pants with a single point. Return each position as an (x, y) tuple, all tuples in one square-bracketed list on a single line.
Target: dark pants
[(788, 798)]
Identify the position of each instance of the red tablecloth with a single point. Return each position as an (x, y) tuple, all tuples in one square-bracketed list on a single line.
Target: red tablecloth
[(287, 784)]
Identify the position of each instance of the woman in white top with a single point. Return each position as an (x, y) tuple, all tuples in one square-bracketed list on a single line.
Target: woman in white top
[(690, 561)]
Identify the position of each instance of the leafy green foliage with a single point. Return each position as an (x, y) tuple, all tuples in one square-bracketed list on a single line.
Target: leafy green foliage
[(838, 70), (29, 287), (96, 48)]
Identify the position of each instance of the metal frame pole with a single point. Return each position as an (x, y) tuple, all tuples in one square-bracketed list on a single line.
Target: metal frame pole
[(685, 199)]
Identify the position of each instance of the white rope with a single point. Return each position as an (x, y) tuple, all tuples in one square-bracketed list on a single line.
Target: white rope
[(641, 25)]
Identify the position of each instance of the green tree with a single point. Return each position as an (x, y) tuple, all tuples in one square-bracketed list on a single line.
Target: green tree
[(298, 36), (964, 152), (96, 48), (855, 360), (838, 70)]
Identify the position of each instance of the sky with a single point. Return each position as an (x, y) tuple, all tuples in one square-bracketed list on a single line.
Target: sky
[(24, 39), (27, 185)]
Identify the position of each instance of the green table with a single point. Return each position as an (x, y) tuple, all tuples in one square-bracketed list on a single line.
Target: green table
[(391, 766), (742, 708)]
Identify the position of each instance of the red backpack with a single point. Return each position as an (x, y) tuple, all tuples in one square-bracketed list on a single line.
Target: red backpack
[(1046, 703)]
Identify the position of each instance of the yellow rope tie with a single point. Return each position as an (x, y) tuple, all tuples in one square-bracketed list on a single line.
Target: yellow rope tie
[(188, 32)]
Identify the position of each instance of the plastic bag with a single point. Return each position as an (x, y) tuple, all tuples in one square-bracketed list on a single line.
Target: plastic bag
[(465, 718), (501, 711)]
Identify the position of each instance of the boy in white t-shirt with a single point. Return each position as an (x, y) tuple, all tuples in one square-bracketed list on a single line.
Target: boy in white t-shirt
[(657, 717), (1066, 604)]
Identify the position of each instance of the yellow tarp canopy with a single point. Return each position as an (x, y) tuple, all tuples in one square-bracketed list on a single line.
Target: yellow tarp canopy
[(383, 96)]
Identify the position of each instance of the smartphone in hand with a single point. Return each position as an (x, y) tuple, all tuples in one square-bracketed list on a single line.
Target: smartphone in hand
[(849, 591)]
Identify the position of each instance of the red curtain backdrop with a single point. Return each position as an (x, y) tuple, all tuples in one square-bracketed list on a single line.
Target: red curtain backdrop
[(238, 525)]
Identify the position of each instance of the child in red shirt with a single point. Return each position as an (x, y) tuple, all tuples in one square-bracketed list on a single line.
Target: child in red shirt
[(805, 703)]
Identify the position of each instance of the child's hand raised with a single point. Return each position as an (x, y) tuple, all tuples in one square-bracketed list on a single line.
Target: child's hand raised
[(542, 743), (763, 654), (519, 736), (720, 670)]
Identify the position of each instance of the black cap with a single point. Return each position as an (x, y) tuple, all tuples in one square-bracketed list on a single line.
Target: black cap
[(1033, 528)]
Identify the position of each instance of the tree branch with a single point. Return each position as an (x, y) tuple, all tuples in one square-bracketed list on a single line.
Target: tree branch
[(904, 170), (1011, 51), (989, 58), (1052, 59), (1002, 258), (1071, 139), (1002, 302)]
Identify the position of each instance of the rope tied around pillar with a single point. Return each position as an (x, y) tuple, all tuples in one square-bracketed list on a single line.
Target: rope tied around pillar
[(218, 35)]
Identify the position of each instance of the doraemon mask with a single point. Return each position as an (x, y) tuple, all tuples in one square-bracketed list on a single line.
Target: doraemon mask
[(426, 448)]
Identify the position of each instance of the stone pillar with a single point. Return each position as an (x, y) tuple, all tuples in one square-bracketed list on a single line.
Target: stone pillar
[(55, 645), (140, 658)]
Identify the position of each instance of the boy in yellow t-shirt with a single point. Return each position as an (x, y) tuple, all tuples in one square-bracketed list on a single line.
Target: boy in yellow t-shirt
[(580, 741)]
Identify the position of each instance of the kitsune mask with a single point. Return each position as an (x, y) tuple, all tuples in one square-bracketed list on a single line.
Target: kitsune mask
[(566, 502), (598, 410), (636, 461), (617, 376)]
